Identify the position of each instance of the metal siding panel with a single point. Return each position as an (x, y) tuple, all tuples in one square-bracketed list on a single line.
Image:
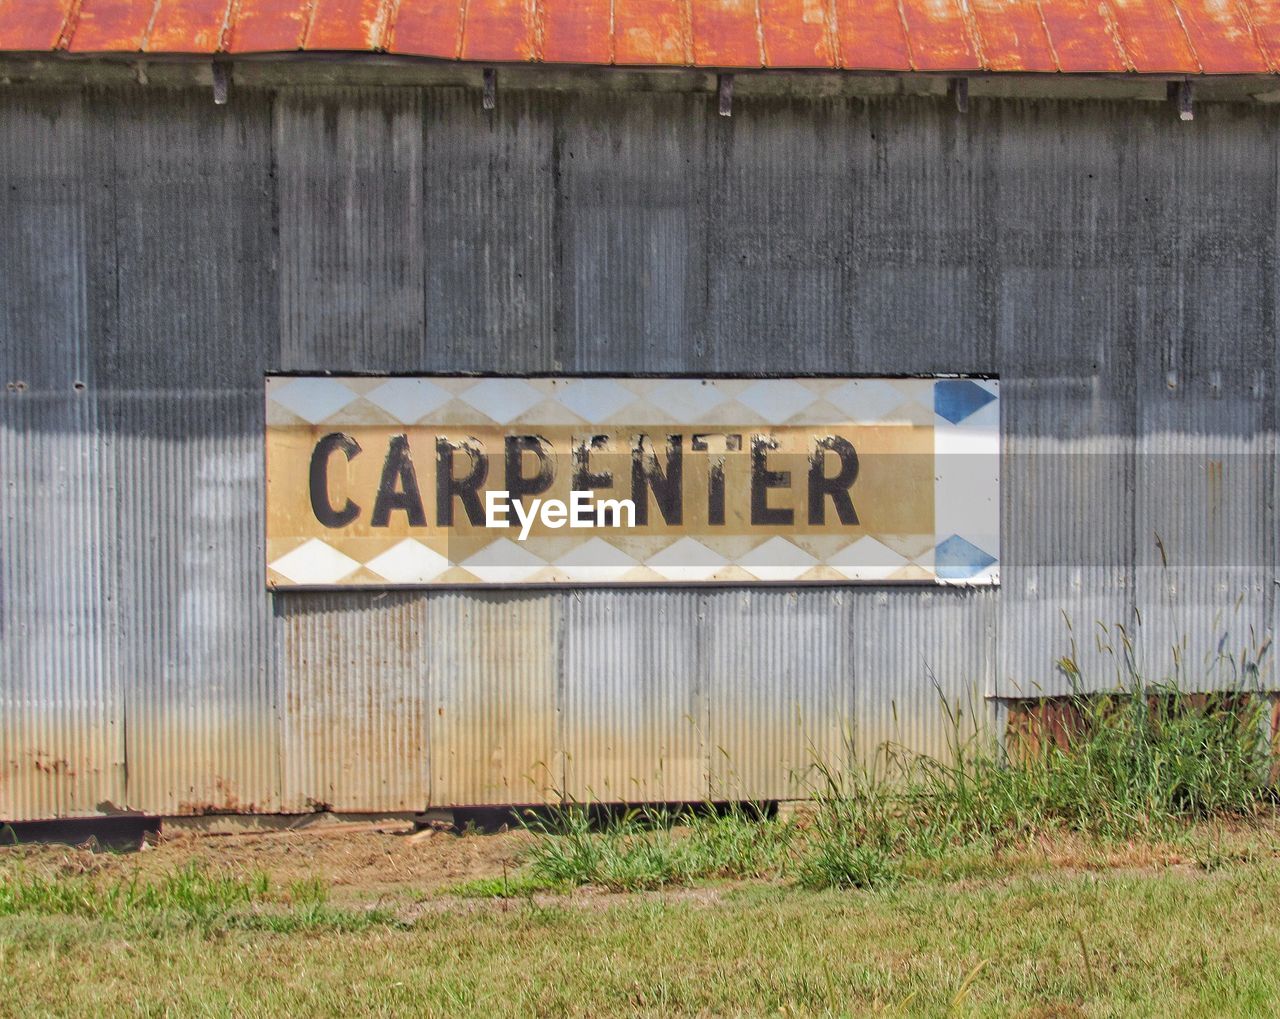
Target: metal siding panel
[(32, 24), (652, 32), (356, 689), (578, 33), (798, 33), (632, 212), (923, 664), (1083, 37), (939, 36), (350, 193), (1152, 36), (110, 26), (499, 30), (779, 239), (1013, 35), (916, 299), (267, 26), (188, 26), (779, 687), (61, 710), (1204, 518), (726, 33), (633, 709), (871, 35), (494, 663), (1065, 225), (488, 233), (430, 28), (190, 338)]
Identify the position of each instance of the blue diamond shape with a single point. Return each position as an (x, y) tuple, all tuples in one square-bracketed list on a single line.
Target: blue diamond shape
[(956, 399), (957, 559)]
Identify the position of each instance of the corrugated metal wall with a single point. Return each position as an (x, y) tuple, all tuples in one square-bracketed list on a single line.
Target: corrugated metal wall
[(1115, 267)]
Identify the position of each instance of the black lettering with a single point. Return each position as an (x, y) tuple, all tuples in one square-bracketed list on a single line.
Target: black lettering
[(836, 487), (583, 479), (715, 475), (667, 485), (517, 484), (398, 489), (466, 488), (763, 479), (320, 504)]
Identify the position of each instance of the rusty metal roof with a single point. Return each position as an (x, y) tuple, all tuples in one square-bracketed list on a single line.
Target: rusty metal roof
[(1076, 36)]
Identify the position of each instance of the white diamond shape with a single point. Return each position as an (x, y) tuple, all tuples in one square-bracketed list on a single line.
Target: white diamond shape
[(409, 400), (596, 400), (777, 559), (409, 562), (313, 399), (315, 563), (596, 560), (685, 399), (867, 559), (502, 400), (504, 562), (776, 400), (686, 560), (867, 400)]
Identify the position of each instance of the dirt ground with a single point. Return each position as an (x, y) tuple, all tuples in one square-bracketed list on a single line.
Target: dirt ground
[(356, 859)]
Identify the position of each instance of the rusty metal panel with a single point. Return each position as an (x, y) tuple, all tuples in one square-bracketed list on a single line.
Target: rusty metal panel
[(355, 691), (1013, 34), (185, 337), (633, 703), (581, 33), (188, 26), (780, 689), (351, 242), (61, 702), (494, 664), (432, 28), (923, 664), (1083, 37), (1149, 36), (268, 26)]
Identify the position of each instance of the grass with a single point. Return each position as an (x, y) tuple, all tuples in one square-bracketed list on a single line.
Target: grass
[(1117, 943)]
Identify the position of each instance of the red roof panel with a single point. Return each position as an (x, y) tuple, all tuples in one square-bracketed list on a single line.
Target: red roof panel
[(32, 26), (939, 37), (110, 26), (577, 33), (1083, 36), (870, 36), (348, 25), (652, 32), (269, 26), (1013, 35), (1152, 36), (187, 26), (798, 33), (1072, 36), (429, 28), (726, 33)]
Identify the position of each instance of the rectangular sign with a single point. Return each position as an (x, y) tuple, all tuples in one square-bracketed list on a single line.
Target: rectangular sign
[(430, 480)]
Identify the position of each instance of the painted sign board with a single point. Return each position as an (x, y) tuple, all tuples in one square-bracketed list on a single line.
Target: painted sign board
[(463, 480)]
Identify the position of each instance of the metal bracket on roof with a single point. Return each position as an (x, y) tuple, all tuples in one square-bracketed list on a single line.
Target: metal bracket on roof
[(1181, 94), (960, 93), (490, 100), (724, 86), (221, 82)]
